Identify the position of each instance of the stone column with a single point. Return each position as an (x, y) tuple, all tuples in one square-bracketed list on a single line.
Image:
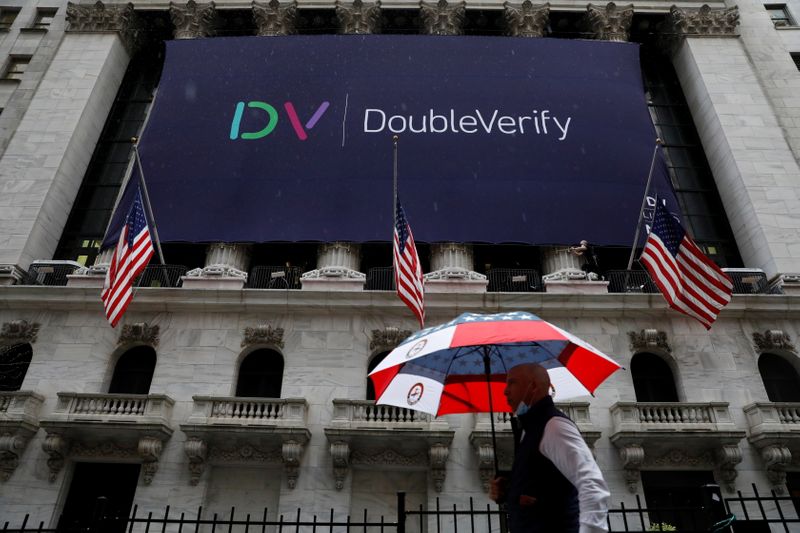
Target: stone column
[(443, 18), (526, 19), (452, 266), (609, 23), (337, 268), (752, 162), (41, 177), (359, 17), (274, 18)]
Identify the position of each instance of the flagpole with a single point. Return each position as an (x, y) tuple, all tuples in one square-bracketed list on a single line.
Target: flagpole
[(659, 142), (146, 197), (395, 138)]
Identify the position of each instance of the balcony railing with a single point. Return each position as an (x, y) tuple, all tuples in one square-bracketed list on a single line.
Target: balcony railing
[(366, 414), (113, 407), (621, 281), (644, 416), (161, 276), (380, 279), (578, 412), (249, 411), (274, 277), (514, 280), (773, 417), (51, 273), (19, 406)]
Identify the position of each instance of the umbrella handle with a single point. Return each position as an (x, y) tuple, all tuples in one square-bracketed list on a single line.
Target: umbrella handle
[(487, 368)]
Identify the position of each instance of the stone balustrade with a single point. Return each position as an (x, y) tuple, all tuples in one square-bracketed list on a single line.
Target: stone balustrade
[(366, 414), (19, 422), (641, 416), (249, 411), (96, 407)]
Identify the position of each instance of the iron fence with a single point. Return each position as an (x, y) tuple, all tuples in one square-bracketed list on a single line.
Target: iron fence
[(274, 277), (514, 280), (737, 514), (630, 281), (380, 279), (50, 273), (160, 276)]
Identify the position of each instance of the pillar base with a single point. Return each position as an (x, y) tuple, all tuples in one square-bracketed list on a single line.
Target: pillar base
[(10, 274), (575, 287), (215, 277)]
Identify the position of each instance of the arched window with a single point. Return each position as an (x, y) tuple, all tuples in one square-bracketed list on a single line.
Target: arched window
[(780, 378), (652, 379), (134, 371), (372, 364), (14, 362), (260, 375)]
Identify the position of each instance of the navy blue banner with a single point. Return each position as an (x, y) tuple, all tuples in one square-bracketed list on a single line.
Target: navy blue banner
[(542, 141)]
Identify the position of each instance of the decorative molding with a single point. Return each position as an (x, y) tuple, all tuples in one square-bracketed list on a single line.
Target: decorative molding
[(703, 21), (632, 457), (728, 456), (217, 271), (197, 452), (98, 17), (105, 449), (388, 457), (291, 452), (11, 447), (246, 454), (11, 274), (526, 19), (359, 17), (609, 23), (454, 273), (776, 458), (387, 338), (263, 334), (443, 18), (773, 339), (647, 339), (274, 19), (141, 332), (340, 453), (438, 460), (149, 449), (19, 332), (334, 272), (56, 447), (486, 465), (193, 20), (678, 457)]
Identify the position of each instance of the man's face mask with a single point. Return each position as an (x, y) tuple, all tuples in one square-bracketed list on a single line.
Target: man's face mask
[(523, 407)]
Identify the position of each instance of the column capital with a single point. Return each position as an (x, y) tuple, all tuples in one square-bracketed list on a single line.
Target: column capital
[(609, 23), (193, 20), (274, 18), (443, 18), (526, 19), (702, 21), (100, 18), (359, 17)]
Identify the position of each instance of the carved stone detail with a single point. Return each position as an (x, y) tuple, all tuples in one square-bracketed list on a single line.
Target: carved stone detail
[(291, 451), (486, 465), (773, 339), (647, 339), (141, 332), (102, 18), (105, 449), (11, 447), (728, 456), (274, 19), (192, 20), (776, 459), (443, 18), (609, 23), (359, 17), (632, 457), (340, 452), (56, 447), (387, 338), (149, 449), (263, 334), (526, 19), (388, 457), (702, 21), (438, 457), (19, 332), (245, 453), (197, 451)]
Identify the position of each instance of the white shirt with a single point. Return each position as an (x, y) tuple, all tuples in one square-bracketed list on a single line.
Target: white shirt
[(563, 445)]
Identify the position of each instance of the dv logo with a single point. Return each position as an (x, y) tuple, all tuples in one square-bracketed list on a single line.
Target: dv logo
[(272, 120)]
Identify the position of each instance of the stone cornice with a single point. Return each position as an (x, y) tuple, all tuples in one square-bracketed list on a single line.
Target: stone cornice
[(609, 23), (274, 18), (526, 19), (359, 17), (102, 18), (193, 20), (443, 18)]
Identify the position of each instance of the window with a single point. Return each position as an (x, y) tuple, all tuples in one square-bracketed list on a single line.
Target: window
[(779, 15), (796, 59), (672, 498), (260, 375), (16, 68), (652, 379), (134, 371), (44, 17), (113, 482), (14, 362), (372, 364), (780, 378), (7, 17)]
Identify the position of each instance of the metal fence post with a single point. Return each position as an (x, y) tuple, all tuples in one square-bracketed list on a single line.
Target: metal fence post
[(401, 512), (714, 506), (99, 514)]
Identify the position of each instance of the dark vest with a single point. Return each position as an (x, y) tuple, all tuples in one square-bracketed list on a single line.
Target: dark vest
[(556, 509)]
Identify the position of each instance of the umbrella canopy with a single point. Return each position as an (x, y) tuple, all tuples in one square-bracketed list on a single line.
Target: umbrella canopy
[(442, 370)]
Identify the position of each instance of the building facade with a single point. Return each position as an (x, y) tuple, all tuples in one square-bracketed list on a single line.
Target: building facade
[(235, 382)]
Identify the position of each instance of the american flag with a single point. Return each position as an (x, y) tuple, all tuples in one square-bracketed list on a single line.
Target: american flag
[(133, 252), (690, 282), (407, 270)]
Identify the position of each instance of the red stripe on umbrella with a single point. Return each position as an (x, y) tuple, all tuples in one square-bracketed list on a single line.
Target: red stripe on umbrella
[(585, 365), (468, 394), (381, 380), (499, 332)]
